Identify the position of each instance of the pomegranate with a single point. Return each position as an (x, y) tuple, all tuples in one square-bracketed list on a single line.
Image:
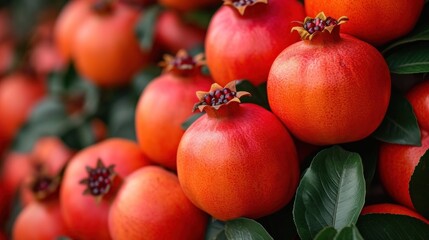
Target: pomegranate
[(238, 160), (165, 104), (244, 38), (330, 88), (418, 97), (148, 204)]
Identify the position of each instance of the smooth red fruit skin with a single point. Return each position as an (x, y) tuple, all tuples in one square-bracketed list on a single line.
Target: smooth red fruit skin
[(240, 165), (244, 47), (375, 22), (40, 221), (106, 50), (389, 208), (15, 168), (163, 106), (418, 97), (87, 218), (152, 205), (173, 34), (329, 92), (19, 94), (396, 166), (187, 5), (68, 24), (52, 153)]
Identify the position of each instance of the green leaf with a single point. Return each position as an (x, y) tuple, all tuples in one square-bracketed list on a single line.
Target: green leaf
[(409, 58), (144, 77), (191, 120), (245, 229), (215, 230), (122, 118), (400, 124), (392, 226), (258, 93), (327, 233), (419, 185), (331, 192), (349, 233), (145, 28)]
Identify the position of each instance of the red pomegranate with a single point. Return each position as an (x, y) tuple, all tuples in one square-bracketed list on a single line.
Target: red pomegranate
[(244, 38), (418, 97), (389, 208), (147, 205), (165, 104), (237, 160), (90, 183), (329, 88)]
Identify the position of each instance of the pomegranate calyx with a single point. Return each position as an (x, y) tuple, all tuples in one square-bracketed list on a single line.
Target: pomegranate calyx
[(103, 6), (241, 5), (182, 63), (99, 181), (44, 185), (313, 26), (219, 96)]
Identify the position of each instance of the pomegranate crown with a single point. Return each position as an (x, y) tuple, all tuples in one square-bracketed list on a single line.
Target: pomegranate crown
[(43, 184), (99, 180), (182, 63), (241, 5), (219, 96), (313, 26)]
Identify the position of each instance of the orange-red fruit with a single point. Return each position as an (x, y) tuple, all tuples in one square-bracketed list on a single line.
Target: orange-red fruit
[(331, 89), (164, 105), (152, 205), (376, 22), (40, 221), (15, 168), (19, 94), (389, 208), (105, 48), (239, 161), (82, 213), (68, 25), (244, 47), (418, 97), (188, 4)]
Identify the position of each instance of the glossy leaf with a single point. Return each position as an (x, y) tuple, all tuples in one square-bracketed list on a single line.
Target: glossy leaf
[(328, 233), (391, 226), (245, 229), (349, 233), (400, 124), (419, 186), (122, 118), (331, 192), (409, 59), (191, 120), (145, 28), (215, 230), (258, 93)]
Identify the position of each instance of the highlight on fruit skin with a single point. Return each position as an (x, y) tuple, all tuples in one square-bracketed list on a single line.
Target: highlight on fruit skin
[(321, 23), (241, 5), (218, 96)]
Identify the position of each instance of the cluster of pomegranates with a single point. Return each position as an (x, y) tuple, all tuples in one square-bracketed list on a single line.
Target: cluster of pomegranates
[(326, 84)]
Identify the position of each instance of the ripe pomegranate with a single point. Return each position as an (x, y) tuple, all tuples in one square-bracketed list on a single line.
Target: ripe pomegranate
[(343, 101), (187, 5), (68, 25), (244, 38), (173, 34), (14, 110), (371, 21), (238, 160), (90, 183), (389, 208), (397, 162), (105, 47), (147, 205), (165, 104), (40, 221), (16, 167)]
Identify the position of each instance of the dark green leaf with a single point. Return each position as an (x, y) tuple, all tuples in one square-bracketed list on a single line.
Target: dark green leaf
[(191, 120), (349, 233), (331, 192), (259, 93), (200, 18), (245, 229), (410, 58), (145, 28), (400, 124), (215, 230), (391, 226), (328, 233), (419, 186), (122, 118), (143, 78)]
